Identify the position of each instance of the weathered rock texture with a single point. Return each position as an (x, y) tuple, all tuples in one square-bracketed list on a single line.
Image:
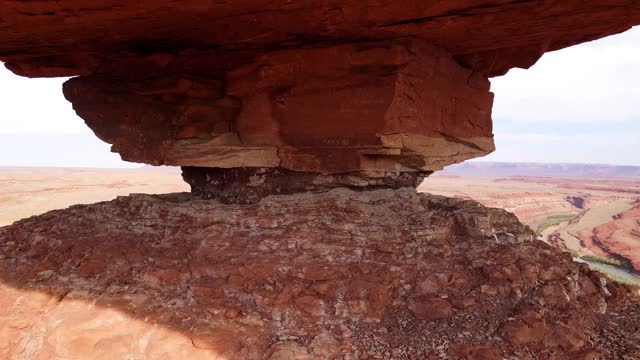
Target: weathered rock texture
[(322, 86), (387, 106), (343, 274), (250, 185), (51, 38)]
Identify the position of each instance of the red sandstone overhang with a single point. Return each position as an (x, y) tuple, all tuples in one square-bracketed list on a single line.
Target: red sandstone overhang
[(74, 37), (322, 86)]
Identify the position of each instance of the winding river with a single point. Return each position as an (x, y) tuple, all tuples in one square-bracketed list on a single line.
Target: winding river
[(612, 270)]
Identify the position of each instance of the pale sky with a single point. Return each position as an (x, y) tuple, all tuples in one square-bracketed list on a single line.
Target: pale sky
[(576, 105)]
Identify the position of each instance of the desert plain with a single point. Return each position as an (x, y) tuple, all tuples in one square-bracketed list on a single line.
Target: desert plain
[(26, 191), (124, 282), (596, 217)]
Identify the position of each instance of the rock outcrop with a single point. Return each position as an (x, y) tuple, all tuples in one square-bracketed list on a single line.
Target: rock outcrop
[(250, 185), (319, 86), (342, 274), (384, 107)]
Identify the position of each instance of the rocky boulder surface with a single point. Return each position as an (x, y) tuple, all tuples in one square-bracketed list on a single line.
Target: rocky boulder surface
[(381, 274)]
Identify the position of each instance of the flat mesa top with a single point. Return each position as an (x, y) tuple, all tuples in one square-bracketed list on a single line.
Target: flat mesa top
[(75, 37)]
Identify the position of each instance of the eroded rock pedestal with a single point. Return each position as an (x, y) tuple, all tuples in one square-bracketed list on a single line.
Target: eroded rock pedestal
[(344, 274), (316, 86), (392, 106)]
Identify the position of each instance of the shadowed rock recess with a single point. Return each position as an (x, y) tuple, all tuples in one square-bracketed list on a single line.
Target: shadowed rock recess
[(250, 185), (303, 128)]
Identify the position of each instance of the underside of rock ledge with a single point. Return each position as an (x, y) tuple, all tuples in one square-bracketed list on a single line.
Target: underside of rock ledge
[(250, 185), (349, 274)]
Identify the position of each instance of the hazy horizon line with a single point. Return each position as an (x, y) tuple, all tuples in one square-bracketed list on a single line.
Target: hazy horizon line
[(143, 166)]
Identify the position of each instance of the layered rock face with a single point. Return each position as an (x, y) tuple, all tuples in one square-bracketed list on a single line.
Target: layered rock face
[(384, 106), (619, 236), (343, 274), (317, 86)]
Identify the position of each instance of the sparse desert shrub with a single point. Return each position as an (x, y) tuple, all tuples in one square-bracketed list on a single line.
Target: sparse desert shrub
[(604, 260), (555, 220), (573, 253)]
